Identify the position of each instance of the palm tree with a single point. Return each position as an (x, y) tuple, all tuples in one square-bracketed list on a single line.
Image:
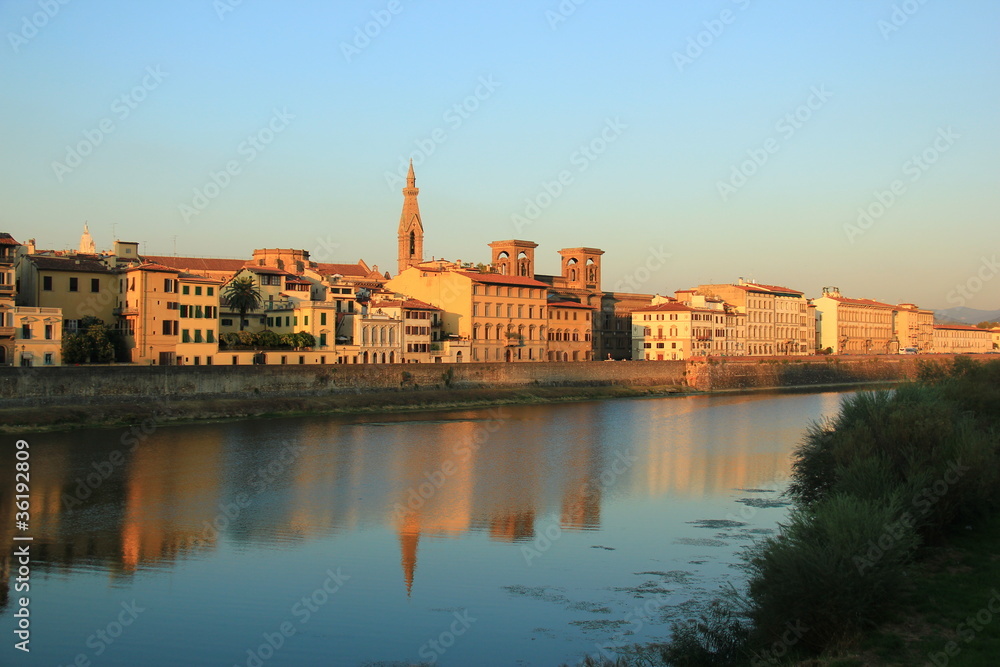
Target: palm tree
[(242, 295)]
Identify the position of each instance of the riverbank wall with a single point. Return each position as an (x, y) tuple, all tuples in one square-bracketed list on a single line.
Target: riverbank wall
[(103, 385)]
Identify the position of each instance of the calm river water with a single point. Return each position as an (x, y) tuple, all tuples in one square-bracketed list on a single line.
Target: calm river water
[(507, 536)]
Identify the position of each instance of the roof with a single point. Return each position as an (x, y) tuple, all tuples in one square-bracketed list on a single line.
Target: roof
[(411, 304), (342, 269), (499, 279), (152, 266), (569, 304), (671, 307), (961, 327), (778, 288), (859, 302), (194, 278), (87, 264), (193, 264), (7, 239)]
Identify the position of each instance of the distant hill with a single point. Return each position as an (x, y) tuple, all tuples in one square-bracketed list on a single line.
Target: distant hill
[(963, 315)]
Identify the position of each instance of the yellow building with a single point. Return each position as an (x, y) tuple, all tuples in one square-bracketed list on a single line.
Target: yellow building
[(673, 331), (37, 335), (198, 315), (855, 326), (914, 328), (996, 338), (150, 313), (778, 319), (570, 331), (422, 340), (504, 317), (961, 339), (78, 285)]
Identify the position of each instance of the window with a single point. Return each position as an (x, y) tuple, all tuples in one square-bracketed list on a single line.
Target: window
[(168, 285), (226, 322), (322, 339), (74, 284), (197, 290), (47, 283), (26, 331), (209, 336), (197, 336), (322, 319), (48, 332), (306, 322), (186, 289), (210, 291), (208, 361), (184, 311), (185, 336), (48, 359), (95, 284)]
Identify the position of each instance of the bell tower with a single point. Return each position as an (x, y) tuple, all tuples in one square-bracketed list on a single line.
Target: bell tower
[(514, 258), (581, 267), (411, 229)]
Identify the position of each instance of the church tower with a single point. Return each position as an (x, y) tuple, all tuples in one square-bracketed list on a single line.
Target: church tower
[(411, 229), (87, 242)]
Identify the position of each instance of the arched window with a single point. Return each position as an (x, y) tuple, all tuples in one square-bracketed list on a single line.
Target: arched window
[(413, 244)]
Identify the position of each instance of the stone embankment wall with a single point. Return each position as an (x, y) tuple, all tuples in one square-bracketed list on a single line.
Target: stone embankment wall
[(94, 385), (102, 385), (761, 373)]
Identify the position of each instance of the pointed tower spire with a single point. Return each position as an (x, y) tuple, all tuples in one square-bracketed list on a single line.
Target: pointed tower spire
[(87, 245), (411, 229), (409, 537)]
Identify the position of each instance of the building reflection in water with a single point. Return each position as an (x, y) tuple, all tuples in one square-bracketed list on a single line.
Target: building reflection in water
[(495, 473)]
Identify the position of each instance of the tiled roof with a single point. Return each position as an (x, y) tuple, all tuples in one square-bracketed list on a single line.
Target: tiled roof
[(861, 302), (412, 304), (342, 269), (193, 264), (7, 239), (960, 327), (69, 264), (498, 279), (153, 266), (671, 307), (194, 278)]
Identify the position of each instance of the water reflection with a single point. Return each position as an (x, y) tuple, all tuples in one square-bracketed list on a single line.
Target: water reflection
[(183, 490)]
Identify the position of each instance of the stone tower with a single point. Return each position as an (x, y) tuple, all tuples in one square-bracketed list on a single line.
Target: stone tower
[(87, 242), (581, 267), (514, 258), (411, 229)]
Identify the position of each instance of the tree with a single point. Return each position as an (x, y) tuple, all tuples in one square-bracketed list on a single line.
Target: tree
[(242, 295), (92, 343), (988, 325)]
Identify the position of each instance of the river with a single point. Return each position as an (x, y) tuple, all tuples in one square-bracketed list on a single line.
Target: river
[(528, 535)]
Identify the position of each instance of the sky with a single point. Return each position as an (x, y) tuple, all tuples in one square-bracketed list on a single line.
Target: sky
[(842, 143)]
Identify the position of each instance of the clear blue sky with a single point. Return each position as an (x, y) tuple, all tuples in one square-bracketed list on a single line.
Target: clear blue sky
[(677, 129)]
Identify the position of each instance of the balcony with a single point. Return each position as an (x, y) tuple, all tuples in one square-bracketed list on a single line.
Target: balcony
[(125, 312), (6, 332)]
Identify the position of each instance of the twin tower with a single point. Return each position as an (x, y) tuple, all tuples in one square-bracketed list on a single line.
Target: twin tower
[(581, 267)]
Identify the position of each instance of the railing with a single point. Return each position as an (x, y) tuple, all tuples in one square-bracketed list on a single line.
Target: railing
[(6, 332)]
